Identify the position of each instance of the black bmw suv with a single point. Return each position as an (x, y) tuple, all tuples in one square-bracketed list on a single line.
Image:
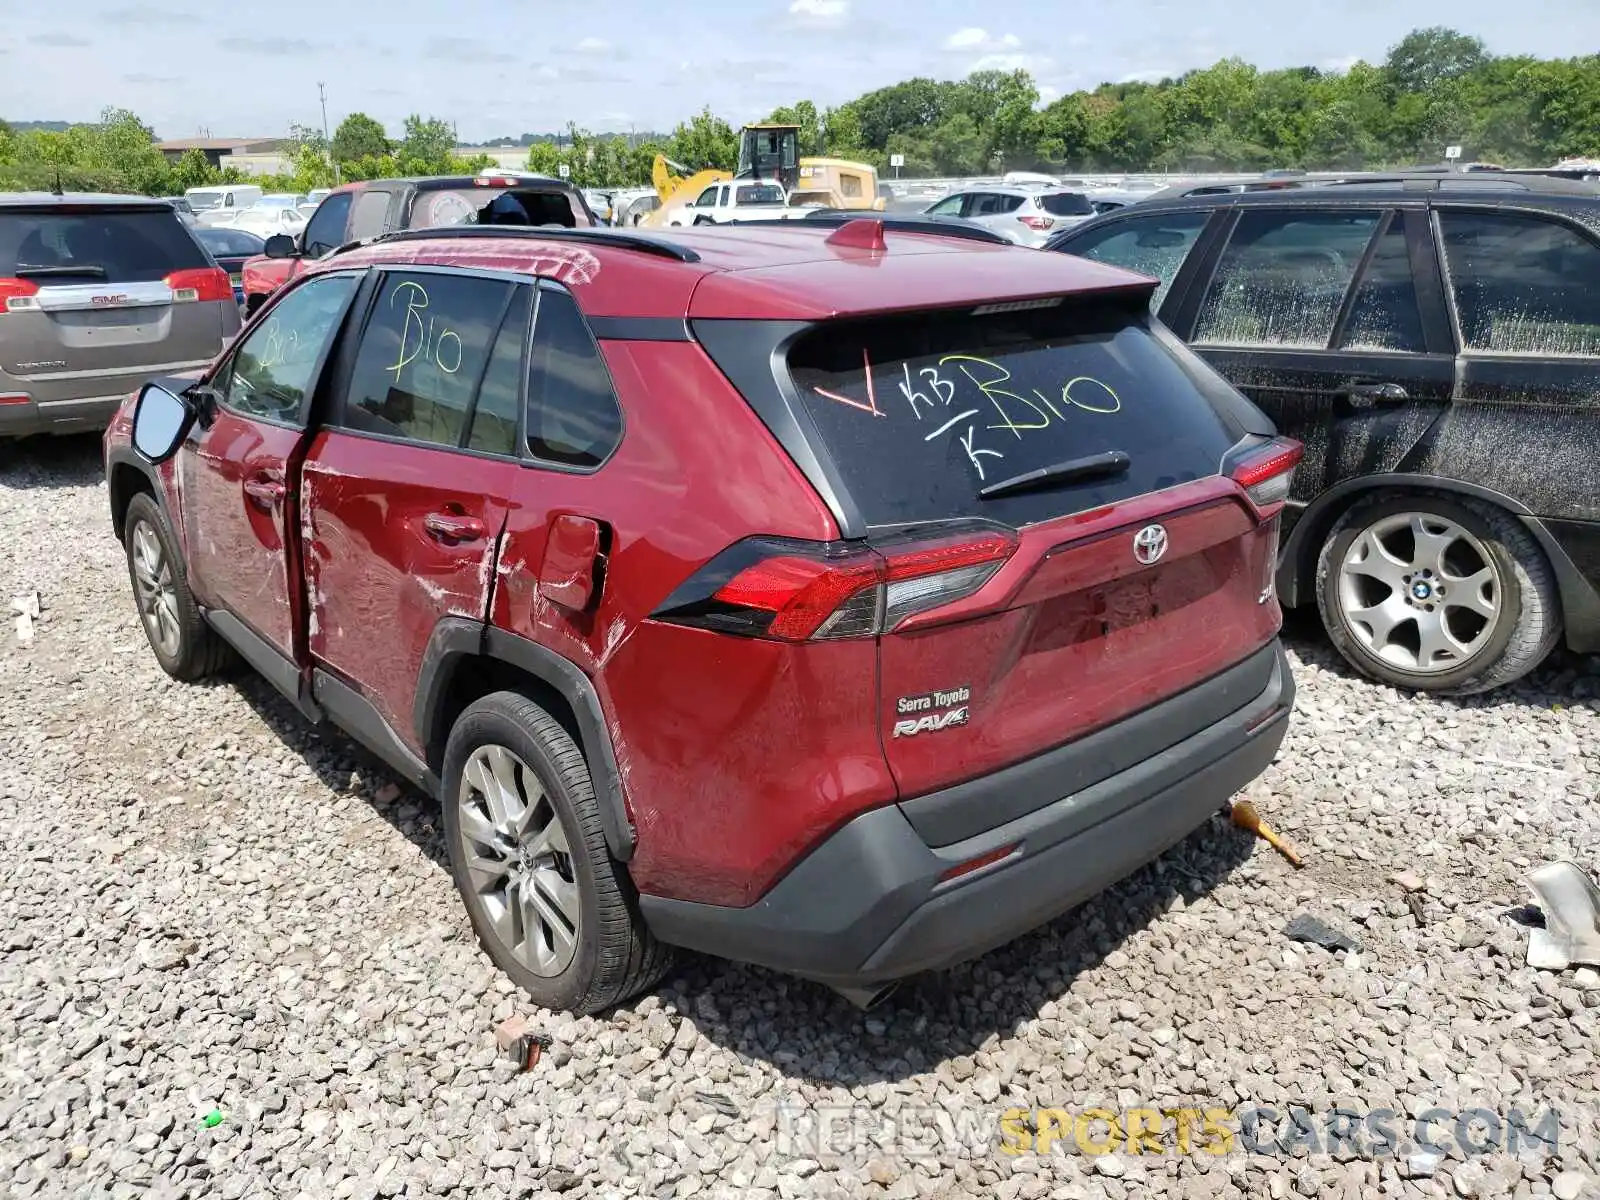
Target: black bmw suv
[(1435, 343)]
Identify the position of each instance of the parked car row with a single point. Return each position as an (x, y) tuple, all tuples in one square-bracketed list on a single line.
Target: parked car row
[(969, 606)]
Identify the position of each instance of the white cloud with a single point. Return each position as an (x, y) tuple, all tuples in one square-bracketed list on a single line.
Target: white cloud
[(1048, 93), (973, 38), (826, 10), (1342, 63), (1033, 63), (593, 45)]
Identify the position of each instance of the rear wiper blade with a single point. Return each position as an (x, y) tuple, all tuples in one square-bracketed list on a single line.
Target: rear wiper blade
[(44, 272), (1091, 466)]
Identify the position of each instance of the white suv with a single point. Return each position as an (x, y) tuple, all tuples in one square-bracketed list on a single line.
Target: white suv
[(1027, 216)]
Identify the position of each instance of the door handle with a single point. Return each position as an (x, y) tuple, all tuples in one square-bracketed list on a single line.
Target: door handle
[(264, 492), (1375, 393), (452, 527)]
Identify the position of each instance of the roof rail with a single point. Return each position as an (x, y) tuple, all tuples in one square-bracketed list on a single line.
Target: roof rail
[(954, 227), (622, 239), (1462, 181)]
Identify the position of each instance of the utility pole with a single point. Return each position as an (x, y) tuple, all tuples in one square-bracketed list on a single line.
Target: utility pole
[(327, 141)]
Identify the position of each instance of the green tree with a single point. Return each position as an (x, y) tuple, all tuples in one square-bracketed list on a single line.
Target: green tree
[(427, 147), (360, 136), (705, 140), (805, 115), (1425, 57)]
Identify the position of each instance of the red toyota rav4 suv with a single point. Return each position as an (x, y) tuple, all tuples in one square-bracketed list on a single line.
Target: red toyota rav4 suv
[(847, 597)]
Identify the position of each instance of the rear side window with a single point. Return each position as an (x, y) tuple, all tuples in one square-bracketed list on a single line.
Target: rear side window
[(1384, 314), (1523, 285), (921, 412), (573, 417), (1153, 245), (77, 247), (370, 215), (1283, 278), (421, 355), (994, 204), (1066, 204)]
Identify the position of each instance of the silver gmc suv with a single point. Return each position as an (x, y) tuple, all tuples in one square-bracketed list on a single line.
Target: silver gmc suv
[(97, 294)]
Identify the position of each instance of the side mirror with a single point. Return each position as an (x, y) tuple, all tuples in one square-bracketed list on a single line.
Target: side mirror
[(280, 245), (161, 421)]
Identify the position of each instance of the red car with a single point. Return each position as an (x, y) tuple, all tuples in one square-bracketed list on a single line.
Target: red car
[(358, 211), (846, 597)]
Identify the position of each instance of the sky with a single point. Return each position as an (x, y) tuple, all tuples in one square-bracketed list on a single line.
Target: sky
[(505, 67)]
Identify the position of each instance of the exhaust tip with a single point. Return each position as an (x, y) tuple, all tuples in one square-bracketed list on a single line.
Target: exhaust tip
[(865, 998)]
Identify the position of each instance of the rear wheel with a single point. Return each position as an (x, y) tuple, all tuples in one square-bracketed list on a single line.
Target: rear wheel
[(702, 220), (184, 645), (1434, 593), (548, 903)]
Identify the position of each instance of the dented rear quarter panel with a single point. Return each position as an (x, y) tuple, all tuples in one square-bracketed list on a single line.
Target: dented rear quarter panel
[(733, 752)]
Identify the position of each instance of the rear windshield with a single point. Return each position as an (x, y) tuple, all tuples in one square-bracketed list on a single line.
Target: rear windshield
[(118, 247), (224, 241), (759, 193), (203, 200), (1066, 204), (494, 206), (921, 412)]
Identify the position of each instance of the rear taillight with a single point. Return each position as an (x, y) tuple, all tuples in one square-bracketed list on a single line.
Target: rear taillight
[(199, 283), (18, 295), (1266, 471), (808, 591), (1038, 223)]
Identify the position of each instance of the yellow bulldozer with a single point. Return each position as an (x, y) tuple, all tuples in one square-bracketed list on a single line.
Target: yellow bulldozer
[(769, 153)]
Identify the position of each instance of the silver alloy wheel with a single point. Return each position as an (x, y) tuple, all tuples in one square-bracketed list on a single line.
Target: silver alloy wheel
[(1419, 592), (518, 860), (158, 599)]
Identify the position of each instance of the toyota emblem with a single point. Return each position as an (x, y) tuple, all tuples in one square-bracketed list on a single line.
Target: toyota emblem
[(1150, 543)]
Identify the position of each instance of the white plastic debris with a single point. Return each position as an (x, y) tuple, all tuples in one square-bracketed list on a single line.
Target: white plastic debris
[(1570, 902), (27, 609)]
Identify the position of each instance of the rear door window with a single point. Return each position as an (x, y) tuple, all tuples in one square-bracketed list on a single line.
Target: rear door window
[(90, 247), (1154, 245), (1283, 278), (921, 412), (1523, 284), (422, 353), (1384, 314), (994, 204)]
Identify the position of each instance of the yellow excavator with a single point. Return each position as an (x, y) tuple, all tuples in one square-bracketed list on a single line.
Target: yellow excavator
[(771, 153)]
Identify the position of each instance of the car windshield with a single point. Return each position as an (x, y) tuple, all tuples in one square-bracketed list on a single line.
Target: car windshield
[(203, 200), (920, 412), (117, 247), (494, 206), (1066, 204), (759, 193)]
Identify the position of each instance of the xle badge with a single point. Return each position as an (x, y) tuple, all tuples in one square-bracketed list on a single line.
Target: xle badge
[(939, 710)]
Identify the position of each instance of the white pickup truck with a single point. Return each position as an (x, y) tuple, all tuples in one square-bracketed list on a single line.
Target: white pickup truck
[(736, 200)]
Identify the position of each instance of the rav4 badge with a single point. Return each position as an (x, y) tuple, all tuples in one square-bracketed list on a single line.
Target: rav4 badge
[(953, 703)]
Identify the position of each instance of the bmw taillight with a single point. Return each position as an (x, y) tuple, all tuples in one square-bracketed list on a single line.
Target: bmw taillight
[(797, 591), (18, 295), (1265, 472), (199, 283)]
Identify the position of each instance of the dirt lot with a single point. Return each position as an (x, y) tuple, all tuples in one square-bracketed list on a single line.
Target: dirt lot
[(208, 908)]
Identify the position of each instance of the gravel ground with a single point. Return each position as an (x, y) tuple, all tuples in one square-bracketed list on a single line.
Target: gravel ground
[(207, 907)]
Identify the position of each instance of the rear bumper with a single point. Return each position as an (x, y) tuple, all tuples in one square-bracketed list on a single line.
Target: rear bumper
[(77, 414), (869, 904)]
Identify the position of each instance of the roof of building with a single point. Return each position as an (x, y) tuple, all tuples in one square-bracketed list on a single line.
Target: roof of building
[(222, 145)]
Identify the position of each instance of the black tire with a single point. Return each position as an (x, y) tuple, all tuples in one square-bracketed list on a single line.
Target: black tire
[(1523, 632), (198, 651), (702, 221), (615, 956)]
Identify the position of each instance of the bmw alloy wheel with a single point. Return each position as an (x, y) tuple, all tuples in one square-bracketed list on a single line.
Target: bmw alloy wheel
[(518, 859), (1419, 592)]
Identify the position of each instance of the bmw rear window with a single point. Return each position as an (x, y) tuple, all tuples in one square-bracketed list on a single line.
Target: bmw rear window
[(92, 246), (923, 412)]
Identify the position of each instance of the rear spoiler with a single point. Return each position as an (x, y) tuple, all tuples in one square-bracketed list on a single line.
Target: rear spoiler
[(923, 223)]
